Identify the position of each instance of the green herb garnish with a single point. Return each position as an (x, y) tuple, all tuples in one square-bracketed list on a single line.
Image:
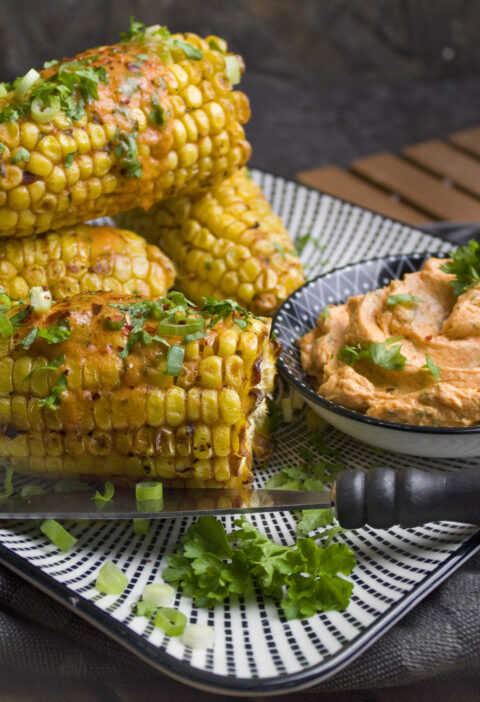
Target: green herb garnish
[(210, 565), (127, 151), (403, 299), (21, 155), (190, 50), (432, 367), (380, 353), (175, 356), (52, 401), (69, 159), (465, 266)]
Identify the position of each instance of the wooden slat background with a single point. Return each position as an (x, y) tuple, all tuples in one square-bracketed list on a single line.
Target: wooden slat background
[(431, 181)]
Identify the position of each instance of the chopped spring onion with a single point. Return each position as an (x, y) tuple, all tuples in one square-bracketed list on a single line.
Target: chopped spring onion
[(190, 327), (57, 534), (175, 360), (158, 595), (6, 328), (7, 482), (141, 526), (142, 609), (25, 83), (111, 580), (30, 489), (107, 496), (232, 69), (171, 621), (70, 485), (3, 90), (5, 301), (199, 636), (45, 113), (287, 412), (148, 490), (40, 299)]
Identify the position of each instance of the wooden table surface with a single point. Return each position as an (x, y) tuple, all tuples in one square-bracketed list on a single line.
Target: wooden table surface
[(430, 181)]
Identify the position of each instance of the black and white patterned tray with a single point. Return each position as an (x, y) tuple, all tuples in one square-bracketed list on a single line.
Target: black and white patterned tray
[(256, 650)]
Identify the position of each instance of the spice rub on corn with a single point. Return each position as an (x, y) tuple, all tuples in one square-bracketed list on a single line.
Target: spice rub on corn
[(108, 384), (225, 243), (81, 258), (118, 127)]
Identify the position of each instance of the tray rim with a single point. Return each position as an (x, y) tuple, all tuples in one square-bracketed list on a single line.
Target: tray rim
[(230, 685)]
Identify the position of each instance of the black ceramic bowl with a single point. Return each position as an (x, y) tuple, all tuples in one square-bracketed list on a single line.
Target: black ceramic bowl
[(299, 314)]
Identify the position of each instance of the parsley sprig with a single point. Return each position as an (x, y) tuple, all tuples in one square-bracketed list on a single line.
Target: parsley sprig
[(465, 266), (210, 565), (127, 151), (380, 353)]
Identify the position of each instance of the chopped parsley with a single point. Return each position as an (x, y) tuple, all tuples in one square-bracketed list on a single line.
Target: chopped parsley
[(190, 50), (214, 45), (52, 335), (48, 366), (53, 399), (73, 85), (137, 33), (157, 115), (432, 367), (380, 353), (326, 313), (21, 155), (69, 159), (465, 266), (403, 299), (127, 151), (301, 242), (305, 578)]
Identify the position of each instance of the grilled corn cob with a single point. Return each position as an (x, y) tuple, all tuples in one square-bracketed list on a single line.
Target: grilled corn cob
[(84, 258), (118, 127), (225, 243), (134, 388)]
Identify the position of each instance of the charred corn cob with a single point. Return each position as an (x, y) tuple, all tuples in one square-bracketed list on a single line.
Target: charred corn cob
[(225, 243), (111, 384), (84, 258), (118, 127)]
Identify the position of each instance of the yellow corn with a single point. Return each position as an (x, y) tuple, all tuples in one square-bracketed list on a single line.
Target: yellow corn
[(84, 258), (125, 417), (225, 243), (162, 125)]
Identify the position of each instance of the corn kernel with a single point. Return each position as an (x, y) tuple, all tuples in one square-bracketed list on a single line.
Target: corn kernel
[(19, 198), (175, 406), (10, 134), (97, 136), (221, 439), (39, 165), (50, 148), (210, 372), (230, 405), (202, 442), (57, 180), (8, 219)]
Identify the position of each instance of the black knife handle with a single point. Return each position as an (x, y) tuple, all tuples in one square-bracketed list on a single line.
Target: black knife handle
[(383, 497)]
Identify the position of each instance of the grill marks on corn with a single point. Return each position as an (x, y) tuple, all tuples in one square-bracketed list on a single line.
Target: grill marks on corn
[(177, 129), (82, 258), (126, 416), (225, 243)]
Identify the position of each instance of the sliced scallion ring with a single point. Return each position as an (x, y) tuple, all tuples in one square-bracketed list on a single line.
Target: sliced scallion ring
[(57, 534), (199, 636), (45, 113), (158, 595), (29, 490), (175, 356), (232, 69), (25, 83), (141, 526), (5, 300), (171, 621), (148, 490), (111, 580), (190, 327)]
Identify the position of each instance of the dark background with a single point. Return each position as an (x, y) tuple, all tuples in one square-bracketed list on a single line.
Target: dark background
[(328, 80)]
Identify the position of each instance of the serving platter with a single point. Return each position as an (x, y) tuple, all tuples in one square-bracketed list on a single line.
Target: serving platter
[(256, 650)]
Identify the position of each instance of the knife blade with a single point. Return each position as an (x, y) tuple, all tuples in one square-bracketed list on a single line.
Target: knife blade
[(379, 497), (177, 502)]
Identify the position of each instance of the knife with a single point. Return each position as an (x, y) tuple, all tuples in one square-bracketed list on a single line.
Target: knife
[(380, 497)]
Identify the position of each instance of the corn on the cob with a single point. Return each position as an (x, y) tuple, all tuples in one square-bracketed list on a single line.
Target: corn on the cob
[(118, 127), (225, 243), (122, 391), (84, 258)]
